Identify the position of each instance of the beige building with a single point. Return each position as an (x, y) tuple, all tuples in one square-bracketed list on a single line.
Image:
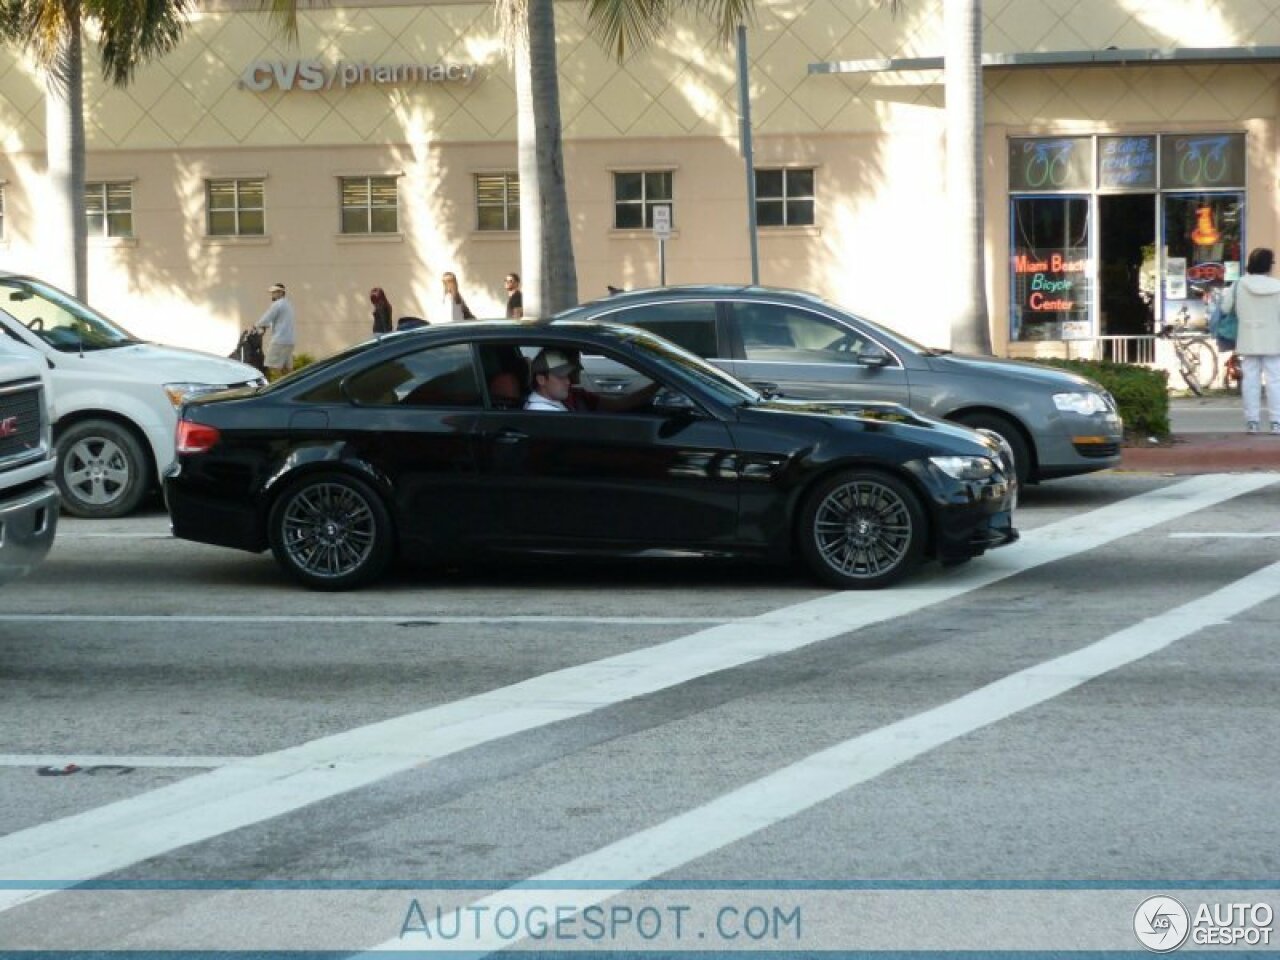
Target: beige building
[(380, 151)]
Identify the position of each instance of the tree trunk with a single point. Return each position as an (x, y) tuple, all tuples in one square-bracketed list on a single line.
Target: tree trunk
[(970, 324), (64, 222), (550, 276)]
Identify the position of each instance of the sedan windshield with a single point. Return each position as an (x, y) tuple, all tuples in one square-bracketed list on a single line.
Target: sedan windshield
[(61, 321), (726, 389)]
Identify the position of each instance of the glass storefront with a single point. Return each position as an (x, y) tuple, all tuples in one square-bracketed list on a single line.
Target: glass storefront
[(1118, 235)]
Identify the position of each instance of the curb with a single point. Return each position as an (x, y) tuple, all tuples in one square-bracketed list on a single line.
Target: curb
[(1193, 453)]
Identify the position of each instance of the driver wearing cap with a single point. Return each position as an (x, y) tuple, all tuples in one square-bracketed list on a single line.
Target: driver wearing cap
[(553, 371)]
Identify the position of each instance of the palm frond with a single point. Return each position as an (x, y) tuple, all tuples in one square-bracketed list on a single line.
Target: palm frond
[(132, 32), (513, 21), (627, 25)]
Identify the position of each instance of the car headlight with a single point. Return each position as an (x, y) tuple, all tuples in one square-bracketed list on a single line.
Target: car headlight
[(966, 468), (179, 393), (1081, 403)]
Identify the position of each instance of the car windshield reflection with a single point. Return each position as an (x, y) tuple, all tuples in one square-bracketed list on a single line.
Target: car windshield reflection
[(726, 389), (62, 322)]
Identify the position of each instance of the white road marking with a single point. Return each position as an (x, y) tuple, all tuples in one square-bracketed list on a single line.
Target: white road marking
[(819, 777), (83, 761), (408, 619), (126, 832), (1223, 535)]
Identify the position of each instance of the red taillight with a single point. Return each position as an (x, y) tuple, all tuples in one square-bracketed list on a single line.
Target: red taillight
[(195, 437)]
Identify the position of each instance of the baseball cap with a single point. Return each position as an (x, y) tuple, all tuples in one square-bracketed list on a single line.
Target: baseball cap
[(276, 288), (553, 361)]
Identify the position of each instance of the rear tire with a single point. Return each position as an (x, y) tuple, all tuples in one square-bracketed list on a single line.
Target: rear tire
[(862, 529), (331, 532), (1012, 435), (102, 470)]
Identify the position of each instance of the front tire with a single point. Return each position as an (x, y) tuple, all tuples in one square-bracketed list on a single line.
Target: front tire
[(1199, 366), (102, 470), (331, 532), (1012, 435), (862, 529)]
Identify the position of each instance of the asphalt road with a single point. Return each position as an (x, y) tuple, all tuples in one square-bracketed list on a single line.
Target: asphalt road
[(1091, 708)]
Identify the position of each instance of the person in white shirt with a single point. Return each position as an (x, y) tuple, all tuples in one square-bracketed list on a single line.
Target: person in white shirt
[(278, 320), (453, 308), (552, 371)]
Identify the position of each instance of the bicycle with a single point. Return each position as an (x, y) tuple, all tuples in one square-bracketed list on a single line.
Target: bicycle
[(1197, 358)]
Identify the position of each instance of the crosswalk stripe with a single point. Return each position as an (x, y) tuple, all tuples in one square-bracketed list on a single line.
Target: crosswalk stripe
[(800, 786), (251, 790)]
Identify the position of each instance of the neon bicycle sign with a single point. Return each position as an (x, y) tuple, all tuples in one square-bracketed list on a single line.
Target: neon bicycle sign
[(1047, 162), (1203, 159)]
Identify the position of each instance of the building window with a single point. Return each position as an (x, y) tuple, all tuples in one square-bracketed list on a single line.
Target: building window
[(108, 209), (784, 198), (236, 208), (370, 205), (497, 201), (636, 194)]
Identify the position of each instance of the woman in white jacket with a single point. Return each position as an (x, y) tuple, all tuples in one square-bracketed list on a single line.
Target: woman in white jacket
[(1256, 300)]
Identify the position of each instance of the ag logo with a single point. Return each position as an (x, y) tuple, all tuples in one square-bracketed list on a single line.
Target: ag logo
[(1161, 924)]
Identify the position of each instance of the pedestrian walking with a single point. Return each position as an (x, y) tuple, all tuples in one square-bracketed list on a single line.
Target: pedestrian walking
[(515, 298), (453, 308), (381, 311), (1256, 301), (278, 321)]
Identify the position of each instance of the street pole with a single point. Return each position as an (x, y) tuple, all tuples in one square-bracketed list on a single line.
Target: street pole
[(748, 155)]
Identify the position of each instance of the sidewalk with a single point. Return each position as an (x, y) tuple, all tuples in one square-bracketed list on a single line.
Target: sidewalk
[(1208, 437)]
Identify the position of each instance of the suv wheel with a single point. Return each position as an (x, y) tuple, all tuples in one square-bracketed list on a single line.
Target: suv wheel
[(102, 470)]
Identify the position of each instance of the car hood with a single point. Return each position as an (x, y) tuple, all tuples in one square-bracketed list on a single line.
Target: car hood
[(883, 417), (973, 366), (163, 364)]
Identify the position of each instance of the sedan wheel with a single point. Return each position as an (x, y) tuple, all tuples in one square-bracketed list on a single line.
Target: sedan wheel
[(862, 529), (331, 533), (102, 471)]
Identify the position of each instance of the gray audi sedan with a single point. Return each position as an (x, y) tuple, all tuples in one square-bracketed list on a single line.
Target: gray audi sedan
[(798, 345)]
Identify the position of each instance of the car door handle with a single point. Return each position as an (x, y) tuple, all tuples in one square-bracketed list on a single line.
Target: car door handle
[(510, 436)]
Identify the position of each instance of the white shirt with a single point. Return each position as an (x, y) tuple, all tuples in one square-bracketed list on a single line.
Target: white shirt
[(279, 320), (537, 401)]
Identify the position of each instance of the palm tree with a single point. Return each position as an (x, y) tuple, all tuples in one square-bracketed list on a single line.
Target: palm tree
[(550, 281), (130, 32), (970, 323), (546, 243)]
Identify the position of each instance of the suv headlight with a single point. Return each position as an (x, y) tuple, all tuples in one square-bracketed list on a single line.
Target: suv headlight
[(178, 393), (1081, 403), (966, 468)]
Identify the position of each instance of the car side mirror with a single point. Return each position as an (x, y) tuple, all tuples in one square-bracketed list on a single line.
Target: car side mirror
[(669, 401), (874, 356)]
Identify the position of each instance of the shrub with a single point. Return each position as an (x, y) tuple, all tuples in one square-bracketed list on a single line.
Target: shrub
[(1142, 394)]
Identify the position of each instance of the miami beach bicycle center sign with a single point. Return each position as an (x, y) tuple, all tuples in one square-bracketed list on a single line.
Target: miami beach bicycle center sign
[(316, 76)]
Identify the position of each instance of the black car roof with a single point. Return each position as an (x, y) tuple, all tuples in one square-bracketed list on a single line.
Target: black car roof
[(691, 291)]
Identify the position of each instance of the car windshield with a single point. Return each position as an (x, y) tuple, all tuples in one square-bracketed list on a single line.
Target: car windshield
[(726, 389), (61, 321)]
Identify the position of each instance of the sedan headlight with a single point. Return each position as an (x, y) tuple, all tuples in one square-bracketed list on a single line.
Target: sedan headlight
[(178, 393), (1081, 403), (966, 468)]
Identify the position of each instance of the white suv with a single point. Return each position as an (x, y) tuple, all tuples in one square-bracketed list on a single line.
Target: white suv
[(113, 399)]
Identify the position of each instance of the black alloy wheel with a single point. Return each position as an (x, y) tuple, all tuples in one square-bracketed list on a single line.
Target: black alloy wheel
[(862, 529), (331, 532), (102, 470)]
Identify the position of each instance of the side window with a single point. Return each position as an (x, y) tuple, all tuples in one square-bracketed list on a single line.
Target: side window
[(772, 332), (691, 325), (439, 377)]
